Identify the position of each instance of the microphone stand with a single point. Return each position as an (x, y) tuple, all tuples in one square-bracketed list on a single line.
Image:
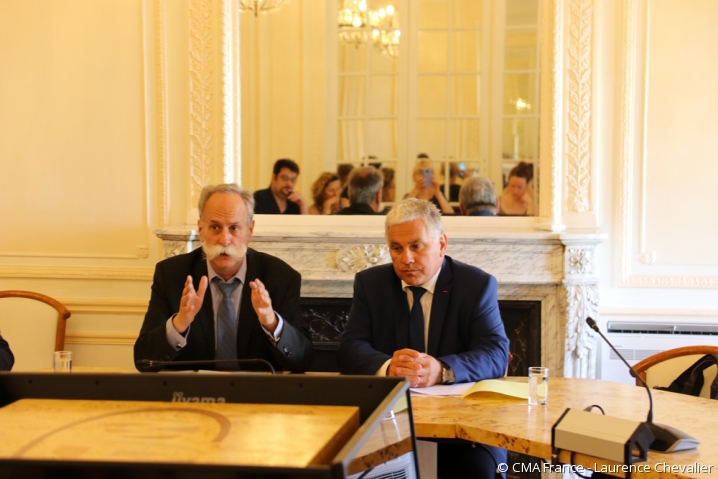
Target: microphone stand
[(665, 436)]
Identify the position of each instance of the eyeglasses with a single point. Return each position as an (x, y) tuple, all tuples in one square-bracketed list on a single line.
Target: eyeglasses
[(291, 179)]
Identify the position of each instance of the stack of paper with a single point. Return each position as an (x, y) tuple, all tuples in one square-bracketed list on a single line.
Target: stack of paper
[(482, 389)]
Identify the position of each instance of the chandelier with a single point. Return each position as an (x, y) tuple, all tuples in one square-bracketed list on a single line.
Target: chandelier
[(260, 6), (385, 33), (355, 21)]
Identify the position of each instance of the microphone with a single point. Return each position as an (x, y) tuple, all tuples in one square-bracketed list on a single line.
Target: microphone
[(667, 438), (147, 364)]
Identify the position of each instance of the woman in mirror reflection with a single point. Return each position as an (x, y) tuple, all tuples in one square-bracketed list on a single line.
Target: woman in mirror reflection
[(426, 186), (325, 192), (517, 198)]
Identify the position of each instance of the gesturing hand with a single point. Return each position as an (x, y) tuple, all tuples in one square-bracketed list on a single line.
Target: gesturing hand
[(262, 304), (190, 304), (420, 369)]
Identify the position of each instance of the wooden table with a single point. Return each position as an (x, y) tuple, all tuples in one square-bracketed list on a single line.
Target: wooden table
[(172, 433), (116, 429), (512, 424)]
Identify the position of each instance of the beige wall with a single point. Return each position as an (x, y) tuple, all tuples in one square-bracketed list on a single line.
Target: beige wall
[(103, 141), (95, 152), (654, 163)]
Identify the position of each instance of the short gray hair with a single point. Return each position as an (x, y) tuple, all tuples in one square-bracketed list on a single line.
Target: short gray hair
[(478, 194), (364, 184), (410, 209), (209, 190)]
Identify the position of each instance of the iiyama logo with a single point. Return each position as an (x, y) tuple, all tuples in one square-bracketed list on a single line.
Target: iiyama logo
[(178, 396)]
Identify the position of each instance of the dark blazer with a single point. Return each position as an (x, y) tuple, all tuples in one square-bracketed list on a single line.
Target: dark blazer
[(357, 209), (6, 357), (294, 349), (465, 327), (265, 204)]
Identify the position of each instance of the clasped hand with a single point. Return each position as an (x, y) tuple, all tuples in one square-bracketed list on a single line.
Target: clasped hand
[(420, 369), (192, 300)]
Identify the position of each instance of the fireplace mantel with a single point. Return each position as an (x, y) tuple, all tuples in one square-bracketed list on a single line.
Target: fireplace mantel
[(557, 269)]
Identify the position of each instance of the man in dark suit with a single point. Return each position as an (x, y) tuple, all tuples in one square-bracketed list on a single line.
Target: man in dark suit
[(6, 357), (192, 313), (365, 185), (430, 319), (477, 197), (281, 198)]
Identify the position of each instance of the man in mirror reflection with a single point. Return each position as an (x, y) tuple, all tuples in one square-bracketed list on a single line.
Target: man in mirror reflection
[(477, 197), (281, 198), (430, 319), (224, 300), (365, 192)]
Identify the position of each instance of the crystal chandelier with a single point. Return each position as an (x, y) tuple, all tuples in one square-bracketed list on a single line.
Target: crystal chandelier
[(353, 22), (385, 33), (260, 6)]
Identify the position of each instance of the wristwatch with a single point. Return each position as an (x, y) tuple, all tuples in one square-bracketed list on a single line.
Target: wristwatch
[(447, 374)]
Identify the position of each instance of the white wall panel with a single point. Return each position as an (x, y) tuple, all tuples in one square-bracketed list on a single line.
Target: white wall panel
[(74, 180), (681, 144), (666, 225)]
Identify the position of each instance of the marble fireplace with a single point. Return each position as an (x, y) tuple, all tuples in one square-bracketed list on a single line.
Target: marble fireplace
[(554, 270)]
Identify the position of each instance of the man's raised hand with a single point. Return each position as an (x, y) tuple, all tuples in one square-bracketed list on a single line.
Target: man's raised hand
[(190, 304)]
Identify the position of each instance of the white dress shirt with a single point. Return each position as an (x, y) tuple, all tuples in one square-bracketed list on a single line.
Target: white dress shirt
[(425, 302)]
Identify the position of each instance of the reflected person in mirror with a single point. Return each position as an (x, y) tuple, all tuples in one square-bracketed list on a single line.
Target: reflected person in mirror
[(430, 319), (426, 186), (6, 357), (517, 198), (477, 197), (325, 192), (225, 300), (365, 190), (281, 198)]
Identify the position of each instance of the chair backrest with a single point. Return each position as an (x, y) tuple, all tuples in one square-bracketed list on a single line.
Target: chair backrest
[(32, 329), (662, 368)]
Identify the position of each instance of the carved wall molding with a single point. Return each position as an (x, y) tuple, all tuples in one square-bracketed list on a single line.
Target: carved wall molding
[(352, 259), (174, 248), (105, 306), (76, 272), (201, 96), (580, 84), (580, 302), (631, 123), (580, 261), (100, 338), (142, 252)]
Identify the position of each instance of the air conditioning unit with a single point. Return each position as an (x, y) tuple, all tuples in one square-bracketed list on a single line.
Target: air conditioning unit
[(637, 340)]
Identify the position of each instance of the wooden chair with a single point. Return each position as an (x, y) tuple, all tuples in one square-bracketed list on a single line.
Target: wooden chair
[(662, 368), (31, 331)]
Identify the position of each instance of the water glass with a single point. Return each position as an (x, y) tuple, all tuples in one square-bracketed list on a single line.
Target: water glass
[(63, 361), (538, 386)]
